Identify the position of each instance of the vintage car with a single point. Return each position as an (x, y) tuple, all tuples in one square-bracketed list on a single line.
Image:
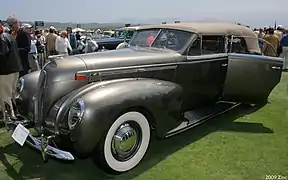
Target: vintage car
[(108, 33), (109, 43), (171, 78), (126, 32)]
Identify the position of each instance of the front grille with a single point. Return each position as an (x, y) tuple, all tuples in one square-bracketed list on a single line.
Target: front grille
[(39, 98)]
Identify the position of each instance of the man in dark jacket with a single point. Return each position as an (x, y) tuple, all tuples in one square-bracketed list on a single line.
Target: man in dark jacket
[(23, 43), (10, 66)]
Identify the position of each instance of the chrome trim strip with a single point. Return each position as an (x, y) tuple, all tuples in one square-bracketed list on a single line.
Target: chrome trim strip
[(130, 69), (149, 69)]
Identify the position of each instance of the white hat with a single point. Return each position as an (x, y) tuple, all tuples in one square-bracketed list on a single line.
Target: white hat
[(52, 27), (26, 26), (279, 26)]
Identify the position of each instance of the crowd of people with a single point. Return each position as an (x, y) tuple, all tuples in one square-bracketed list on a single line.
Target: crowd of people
[(277, 39), (24, 49)]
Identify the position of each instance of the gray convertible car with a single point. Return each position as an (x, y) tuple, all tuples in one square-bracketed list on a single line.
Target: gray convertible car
[(171, 78)]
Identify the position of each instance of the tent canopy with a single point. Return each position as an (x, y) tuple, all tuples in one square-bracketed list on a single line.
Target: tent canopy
[(78, 29)]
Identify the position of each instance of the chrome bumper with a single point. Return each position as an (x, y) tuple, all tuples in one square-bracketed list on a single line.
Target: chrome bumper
[(41, 144), (47, 150)]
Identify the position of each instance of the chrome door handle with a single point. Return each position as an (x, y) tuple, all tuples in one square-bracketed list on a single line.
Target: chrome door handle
[(276, 67), (141, 70), (224, 65)]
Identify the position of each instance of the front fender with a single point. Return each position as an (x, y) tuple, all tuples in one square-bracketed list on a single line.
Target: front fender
[(103, 105), (29, 89)]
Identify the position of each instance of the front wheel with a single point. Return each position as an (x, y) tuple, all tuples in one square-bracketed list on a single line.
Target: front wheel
[(125, 143)]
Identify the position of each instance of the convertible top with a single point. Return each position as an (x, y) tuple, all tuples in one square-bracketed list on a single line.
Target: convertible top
[(215, 28), (129, 28)]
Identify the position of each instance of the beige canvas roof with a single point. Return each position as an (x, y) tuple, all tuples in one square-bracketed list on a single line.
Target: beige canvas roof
[(130, 28), (205, 28)]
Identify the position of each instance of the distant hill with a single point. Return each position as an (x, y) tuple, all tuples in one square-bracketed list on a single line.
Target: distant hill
[(59, 25)]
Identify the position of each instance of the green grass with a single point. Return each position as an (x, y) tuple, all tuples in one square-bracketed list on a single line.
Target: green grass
[(239, 145)]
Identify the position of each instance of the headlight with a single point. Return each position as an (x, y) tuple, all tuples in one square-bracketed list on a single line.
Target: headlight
[(19, 87), (76, 113)]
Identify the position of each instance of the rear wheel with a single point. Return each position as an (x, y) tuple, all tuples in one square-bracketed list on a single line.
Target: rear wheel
[(125, 143)]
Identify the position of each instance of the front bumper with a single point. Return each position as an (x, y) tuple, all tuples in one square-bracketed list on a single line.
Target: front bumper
[(42, 145)]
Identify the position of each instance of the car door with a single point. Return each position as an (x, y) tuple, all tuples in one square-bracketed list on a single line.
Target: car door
[(202, 73), (250, 78)]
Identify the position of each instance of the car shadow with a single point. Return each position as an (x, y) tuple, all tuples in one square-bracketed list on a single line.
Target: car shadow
[(29, 164)]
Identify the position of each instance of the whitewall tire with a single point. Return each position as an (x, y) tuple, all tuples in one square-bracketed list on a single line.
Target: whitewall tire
[(125, 143)]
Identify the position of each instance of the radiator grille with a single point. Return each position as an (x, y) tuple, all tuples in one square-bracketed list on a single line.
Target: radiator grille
[(39, 98)]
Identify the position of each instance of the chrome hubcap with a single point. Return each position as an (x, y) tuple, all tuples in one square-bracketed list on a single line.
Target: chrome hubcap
[(126, 141)]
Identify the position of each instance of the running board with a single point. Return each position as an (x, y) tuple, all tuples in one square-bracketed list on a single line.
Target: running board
[(200, 115)]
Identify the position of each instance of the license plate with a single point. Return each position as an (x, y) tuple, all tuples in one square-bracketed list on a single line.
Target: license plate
[(20, 134)]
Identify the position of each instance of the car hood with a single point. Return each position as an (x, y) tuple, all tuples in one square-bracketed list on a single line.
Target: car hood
[(128, 57)]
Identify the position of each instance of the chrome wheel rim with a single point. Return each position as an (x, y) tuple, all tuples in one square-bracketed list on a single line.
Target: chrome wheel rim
[(126, 141)]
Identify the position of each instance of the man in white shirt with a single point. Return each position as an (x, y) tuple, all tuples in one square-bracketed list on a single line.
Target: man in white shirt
[(62, 44)]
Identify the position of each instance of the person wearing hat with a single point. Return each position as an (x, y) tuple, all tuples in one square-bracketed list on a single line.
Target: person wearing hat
[(10, 66), (50, 41), (23, 43), (32, 56), (91, 45)]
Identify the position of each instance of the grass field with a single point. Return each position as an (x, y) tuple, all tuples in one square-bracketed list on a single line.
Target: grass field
[(241, 145)]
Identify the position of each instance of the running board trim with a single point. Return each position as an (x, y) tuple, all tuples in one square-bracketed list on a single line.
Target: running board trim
[(190, 125)]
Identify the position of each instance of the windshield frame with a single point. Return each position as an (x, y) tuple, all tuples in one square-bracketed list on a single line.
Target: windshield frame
[(180, 51)]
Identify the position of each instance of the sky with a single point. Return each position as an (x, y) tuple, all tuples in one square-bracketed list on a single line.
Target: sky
[(256, 13)]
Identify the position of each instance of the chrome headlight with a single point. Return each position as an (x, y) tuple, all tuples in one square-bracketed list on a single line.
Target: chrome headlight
[(19, 87), (76, 113)]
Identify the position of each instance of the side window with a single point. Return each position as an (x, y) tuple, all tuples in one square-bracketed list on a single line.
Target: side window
[(195, 48), (213, 44), (210, 45), (238, 45)]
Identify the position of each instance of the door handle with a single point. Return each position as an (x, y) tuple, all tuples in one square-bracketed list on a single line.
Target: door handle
[(224, 65), (141, 70), (276, 67)]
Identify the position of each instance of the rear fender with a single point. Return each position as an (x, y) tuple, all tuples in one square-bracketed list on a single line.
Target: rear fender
[(103, 105)]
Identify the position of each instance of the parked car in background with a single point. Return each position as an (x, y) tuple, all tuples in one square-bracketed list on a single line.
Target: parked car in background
[(171, 78), (126, 32), (109, 33)]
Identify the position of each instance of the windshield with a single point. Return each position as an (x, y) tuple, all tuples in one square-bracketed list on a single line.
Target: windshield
[(122, 34), (165, 39)]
